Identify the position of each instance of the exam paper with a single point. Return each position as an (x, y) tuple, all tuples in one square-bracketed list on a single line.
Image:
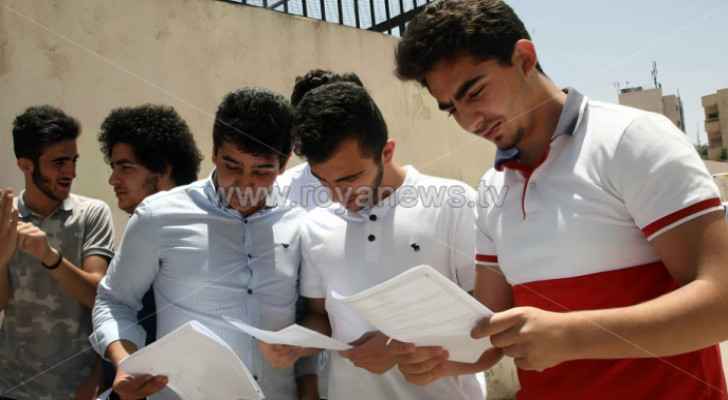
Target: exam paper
[(294, 335), (423, 307), (199, 365)]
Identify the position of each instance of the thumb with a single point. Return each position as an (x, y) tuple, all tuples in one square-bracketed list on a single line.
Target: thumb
[(496, 323)]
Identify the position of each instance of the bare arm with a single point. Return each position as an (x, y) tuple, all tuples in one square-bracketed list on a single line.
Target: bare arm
[(8, 243)]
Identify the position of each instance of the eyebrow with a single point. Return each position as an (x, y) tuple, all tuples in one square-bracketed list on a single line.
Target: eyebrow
[(123, 161), (267, 165), (59, 159), (352, 176), (464, 88)]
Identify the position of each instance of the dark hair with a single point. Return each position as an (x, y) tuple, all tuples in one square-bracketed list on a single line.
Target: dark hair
[(484, 29), (255, 120), (159, 138), (319, 77), (333, 113), (39, 127)]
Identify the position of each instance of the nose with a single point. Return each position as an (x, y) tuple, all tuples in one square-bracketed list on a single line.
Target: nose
[(470, 119), (113, 178)]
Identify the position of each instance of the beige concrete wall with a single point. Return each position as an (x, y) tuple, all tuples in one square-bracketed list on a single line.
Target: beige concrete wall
[(671, 107), (717, 129), (89, 56), (649, 100)]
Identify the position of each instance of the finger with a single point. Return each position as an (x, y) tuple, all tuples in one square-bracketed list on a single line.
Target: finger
[(420, 379), (5, 211), (152, 386), (496, 323), (524, 364), (400, 348), (422, 354), (515, 351), (507, 338), (422, 367)]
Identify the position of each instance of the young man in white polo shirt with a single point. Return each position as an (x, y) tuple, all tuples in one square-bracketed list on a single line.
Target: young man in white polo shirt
[(386, 226), (610, 238)]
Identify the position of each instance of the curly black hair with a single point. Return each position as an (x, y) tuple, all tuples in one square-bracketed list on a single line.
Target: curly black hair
[(255, 120), (39, 127), (159, 137), (333, 113), (484, 29), (319, 77)]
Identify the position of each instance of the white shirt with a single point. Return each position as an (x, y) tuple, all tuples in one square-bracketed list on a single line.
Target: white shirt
[(427, 220)]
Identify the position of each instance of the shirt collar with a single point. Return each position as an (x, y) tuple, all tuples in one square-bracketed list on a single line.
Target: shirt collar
[(568, 121), (24, 211), (391, 201), (218, 199)]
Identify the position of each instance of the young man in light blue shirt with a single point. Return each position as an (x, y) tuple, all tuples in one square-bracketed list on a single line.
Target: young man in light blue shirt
[(219, 246)]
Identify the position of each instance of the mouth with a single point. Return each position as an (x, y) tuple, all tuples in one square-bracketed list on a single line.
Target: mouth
[(489, 132), (65, 185)]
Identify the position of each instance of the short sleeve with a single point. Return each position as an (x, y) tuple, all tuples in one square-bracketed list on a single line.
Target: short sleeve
[(661, 178), (99, 236), (485, 248)]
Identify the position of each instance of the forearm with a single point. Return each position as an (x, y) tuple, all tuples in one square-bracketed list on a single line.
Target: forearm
[(687, 319), (307, 387), (119, 350), (76, 282), (4, 286), (317, 322)]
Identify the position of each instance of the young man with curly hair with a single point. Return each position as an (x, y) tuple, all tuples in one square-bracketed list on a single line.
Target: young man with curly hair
[(607, 257), (55, 247), (219, 246)]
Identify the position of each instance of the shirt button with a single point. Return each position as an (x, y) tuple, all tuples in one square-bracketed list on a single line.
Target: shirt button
[(255, 377), (245, 221), (372, 218), (250, 291), (372, 238), (250, 256)]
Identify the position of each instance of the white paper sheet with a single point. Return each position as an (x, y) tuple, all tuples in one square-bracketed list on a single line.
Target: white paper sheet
[(423, 307), (199, 365), (293, 335)]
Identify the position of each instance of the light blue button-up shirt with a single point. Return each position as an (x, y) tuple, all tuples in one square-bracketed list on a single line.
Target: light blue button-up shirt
[(204, 261)]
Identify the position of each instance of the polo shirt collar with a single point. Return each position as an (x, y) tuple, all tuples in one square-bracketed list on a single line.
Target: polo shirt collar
[(382, 207), (25, 212), (568, 121)]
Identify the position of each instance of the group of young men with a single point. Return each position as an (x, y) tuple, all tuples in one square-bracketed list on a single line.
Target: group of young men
[(603, 261)]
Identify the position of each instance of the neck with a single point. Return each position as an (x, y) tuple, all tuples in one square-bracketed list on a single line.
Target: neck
[(393, 177), (38, 202), (546, 105)]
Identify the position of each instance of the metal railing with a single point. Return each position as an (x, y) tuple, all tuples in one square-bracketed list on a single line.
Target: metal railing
[(385, 16)]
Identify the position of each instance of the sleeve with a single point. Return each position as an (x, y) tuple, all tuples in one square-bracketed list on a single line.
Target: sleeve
[(99, 236), (312, 284), (462, 241), (485, 248), (660, 177), (120, 292)]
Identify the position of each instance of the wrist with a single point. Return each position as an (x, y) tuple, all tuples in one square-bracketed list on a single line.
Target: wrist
[(52, 258), (578, 335)]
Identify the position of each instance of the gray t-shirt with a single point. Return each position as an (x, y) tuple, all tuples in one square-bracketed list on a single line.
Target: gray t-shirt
[(44, 350)]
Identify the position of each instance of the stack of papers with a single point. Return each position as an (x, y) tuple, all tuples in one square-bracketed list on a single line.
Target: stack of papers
[(423, 307), (199, 365), (294, 335)]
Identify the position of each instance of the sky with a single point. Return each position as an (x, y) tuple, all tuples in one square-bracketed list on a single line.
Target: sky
[(594, 46)]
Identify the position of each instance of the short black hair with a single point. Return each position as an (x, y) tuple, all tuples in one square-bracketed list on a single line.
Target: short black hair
[(484, 29), (39, 127), (159, 137), (255, 120), (319, 77), (333, 113)]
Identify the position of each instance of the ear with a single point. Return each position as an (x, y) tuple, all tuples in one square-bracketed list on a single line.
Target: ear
[(26, 165), (166, 182), (524, 56), (388, 151)]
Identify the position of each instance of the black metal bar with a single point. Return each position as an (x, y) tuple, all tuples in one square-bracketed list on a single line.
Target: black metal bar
[(265, 3), (305, 8), (387, 25), (356, 13), (285, 7), (388, 17), (401, 11), (374, 14), (341, 12), (277, 4), (323, 10)]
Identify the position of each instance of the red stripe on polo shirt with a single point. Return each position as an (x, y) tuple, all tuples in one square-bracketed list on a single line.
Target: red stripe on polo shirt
[(650, 229), (695, 375), (486, 258)]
